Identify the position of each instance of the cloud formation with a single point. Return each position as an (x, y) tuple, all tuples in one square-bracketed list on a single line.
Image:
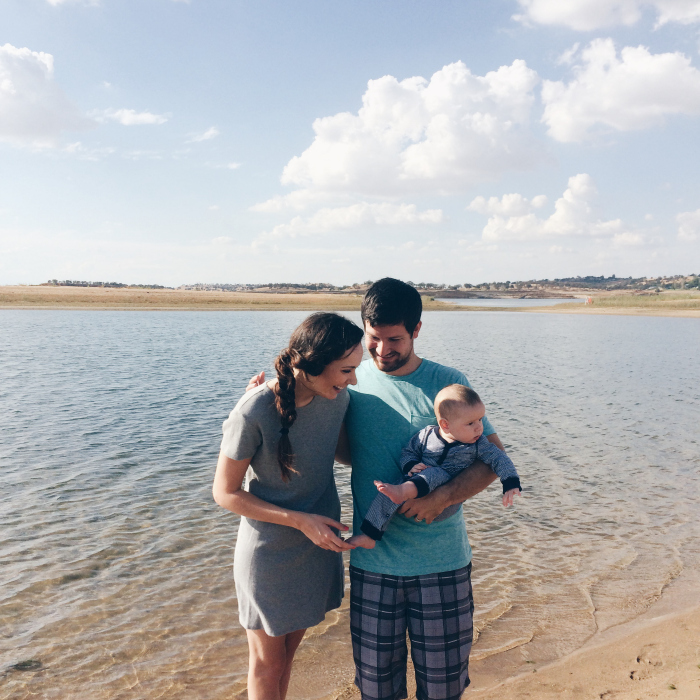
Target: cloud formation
[(130, 117), (211, 133), (587, 15), (34, 111), (512, 217), (440, 135), (634, 90), (356, 215), (689, 225)]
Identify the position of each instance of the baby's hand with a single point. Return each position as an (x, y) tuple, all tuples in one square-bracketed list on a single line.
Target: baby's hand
[(418, 468), (508, 497)]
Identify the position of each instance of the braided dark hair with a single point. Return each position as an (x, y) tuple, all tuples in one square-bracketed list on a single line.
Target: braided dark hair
[(321, 339)]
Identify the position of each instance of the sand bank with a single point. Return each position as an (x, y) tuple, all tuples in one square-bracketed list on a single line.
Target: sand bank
[(38, 297), (593, 310)]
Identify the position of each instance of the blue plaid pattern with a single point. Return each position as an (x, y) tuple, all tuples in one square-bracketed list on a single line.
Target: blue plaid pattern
[(437, 611)]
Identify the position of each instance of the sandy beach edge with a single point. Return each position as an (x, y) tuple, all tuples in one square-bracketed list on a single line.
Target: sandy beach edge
[(100, 299), (654, 655)]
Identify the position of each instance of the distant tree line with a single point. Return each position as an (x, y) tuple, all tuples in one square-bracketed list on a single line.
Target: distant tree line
[(116, 285), (611, 283)]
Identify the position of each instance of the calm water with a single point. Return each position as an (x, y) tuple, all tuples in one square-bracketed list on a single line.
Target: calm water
[(115, 576), (511, 303)]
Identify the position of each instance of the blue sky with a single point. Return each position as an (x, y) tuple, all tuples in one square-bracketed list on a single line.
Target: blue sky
[(176, 142)]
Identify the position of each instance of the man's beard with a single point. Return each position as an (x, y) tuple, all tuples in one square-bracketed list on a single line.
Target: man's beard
[(395, 361)]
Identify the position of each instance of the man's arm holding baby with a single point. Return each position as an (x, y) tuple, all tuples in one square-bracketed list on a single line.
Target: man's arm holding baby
[(466, 484)]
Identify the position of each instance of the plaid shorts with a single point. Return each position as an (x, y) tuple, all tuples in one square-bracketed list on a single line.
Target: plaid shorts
[(436, 609)]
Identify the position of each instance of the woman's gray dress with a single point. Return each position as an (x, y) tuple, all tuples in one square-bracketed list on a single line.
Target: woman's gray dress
[(284, 582)]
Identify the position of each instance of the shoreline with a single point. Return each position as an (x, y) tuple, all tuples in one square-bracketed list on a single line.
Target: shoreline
[(656, 654), (100, 299)]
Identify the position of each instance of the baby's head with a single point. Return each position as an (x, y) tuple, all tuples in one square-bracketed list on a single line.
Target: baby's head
[(459, 411)]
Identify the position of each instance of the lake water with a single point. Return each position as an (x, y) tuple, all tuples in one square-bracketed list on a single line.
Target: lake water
[(509, 302), (115, 576)]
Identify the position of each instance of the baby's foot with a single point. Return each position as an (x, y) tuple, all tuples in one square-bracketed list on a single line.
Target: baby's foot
[(397, 493), (361, 541)]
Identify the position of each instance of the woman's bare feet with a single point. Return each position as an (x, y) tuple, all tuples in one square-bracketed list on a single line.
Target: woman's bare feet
[(397, 493), (362, 541)]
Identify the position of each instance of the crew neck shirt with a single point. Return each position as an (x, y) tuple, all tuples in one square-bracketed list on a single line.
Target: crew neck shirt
[(385, 411)]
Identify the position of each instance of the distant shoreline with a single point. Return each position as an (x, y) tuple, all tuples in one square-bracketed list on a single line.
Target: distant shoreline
[(128, 299)]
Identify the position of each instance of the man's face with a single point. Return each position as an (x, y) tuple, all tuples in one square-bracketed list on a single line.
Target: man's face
[(391, 347)]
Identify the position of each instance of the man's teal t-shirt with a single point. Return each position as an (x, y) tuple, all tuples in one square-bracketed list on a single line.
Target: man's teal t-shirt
[(385, 411)]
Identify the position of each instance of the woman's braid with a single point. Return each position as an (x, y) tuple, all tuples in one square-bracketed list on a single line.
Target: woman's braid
[(285, 402)]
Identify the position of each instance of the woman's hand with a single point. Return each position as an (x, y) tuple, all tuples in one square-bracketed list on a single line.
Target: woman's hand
[(318, 529)]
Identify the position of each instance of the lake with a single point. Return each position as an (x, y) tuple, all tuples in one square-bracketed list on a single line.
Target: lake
[(116, 577)]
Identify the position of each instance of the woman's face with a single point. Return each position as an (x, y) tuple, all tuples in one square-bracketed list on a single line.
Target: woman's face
[(335, 377)]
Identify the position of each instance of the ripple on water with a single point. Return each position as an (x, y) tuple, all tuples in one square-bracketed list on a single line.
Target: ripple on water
[(116, 564)]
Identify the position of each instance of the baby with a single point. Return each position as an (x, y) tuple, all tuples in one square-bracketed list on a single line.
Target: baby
[(434, 456)]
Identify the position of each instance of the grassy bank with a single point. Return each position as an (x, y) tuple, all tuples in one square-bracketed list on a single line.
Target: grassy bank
[(31, 297), (664, 300)]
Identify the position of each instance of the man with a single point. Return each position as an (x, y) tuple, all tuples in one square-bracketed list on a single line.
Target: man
[(429, 592)]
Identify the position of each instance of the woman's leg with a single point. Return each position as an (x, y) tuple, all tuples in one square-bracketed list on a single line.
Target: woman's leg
[(270, 663), (293, 641)]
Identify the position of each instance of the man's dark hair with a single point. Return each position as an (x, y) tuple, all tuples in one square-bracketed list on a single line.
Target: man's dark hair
[(390, 302)]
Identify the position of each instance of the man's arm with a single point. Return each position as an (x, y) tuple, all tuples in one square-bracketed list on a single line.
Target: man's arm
[(466, 484)]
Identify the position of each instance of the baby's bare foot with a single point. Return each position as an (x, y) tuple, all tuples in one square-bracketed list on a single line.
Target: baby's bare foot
[(397, 494), (362, 541)]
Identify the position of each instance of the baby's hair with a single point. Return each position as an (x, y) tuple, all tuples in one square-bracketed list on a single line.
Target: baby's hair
[(454, 397)]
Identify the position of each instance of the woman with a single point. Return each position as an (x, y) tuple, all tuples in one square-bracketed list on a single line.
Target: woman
[(288, 565)]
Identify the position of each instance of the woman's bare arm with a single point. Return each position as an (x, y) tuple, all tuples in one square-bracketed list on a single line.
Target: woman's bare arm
[(229, 494)]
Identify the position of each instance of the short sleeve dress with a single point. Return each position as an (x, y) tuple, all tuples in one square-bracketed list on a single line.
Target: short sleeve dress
[(284, 582)]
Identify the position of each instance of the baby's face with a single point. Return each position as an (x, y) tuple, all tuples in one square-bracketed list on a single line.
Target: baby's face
[(465, 423)]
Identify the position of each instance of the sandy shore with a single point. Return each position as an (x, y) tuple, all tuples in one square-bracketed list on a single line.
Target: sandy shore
[(594, 310), (38, 297), (656, 655)]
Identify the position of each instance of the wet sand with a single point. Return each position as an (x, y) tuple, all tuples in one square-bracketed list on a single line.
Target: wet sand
[(656, 655)]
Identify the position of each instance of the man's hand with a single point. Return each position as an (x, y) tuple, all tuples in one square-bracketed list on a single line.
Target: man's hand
[(466, 484), (256, 381), (426, 508)]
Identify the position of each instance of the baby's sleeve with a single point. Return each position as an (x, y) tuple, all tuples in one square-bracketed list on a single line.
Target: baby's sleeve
[(500, 463), (242, 435)]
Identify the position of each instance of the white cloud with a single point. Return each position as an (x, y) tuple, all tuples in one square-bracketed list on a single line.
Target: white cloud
[(34, 111), (508, 205), (354, 216), (689, 225), (234, 166), (55, 3), (573, 216), (633, 91), (587, 15), (130, 117), (297, 200), (211, 133), (89, 153), (418, 135)]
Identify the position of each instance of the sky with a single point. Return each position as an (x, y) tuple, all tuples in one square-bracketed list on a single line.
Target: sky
[(217, 141)]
